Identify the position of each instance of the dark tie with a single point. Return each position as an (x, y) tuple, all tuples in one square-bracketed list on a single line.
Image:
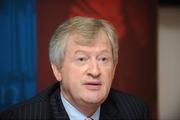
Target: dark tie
[(88, 118)]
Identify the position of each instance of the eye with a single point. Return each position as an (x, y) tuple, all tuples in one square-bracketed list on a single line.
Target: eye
[(103, 59), (81, 60)]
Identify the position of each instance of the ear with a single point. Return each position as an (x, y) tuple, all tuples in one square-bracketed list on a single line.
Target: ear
[(56, 72), (114, 69)]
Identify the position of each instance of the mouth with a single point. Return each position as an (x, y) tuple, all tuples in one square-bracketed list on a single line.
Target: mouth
[(93, 85)]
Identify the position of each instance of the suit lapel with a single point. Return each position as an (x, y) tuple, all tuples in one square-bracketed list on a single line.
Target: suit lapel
[(58, 110), (108, 111)]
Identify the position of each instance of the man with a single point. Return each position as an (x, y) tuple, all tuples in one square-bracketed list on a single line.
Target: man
[(83, 53)]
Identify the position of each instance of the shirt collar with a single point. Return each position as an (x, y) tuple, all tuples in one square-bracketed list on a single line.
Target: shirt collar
[(74, 114)]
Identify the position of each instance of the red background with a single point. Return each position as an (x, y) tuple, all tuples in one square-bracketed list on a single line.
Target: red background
[(136, 24)]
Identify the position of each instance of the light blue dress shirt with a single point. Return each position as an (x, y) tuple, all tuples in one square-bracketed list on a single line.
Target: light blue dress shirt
[(74, 114)]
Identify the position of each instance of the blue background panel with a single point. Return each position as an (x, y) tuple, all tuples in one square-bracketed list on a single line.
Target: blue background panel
[(17, 51)]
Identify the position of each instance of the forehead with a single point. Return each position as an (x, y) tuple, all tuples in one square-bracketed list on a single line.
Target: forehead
[(77, 45), (99, 39)]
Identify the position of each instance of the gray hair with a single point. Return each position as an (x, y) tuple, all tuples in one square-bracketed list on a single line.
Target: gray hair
[(87, 28)]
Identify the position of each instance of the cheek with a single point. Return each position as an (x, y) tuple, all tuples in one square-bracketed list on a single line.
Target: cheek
[(75, 74), (78, 70), (108, 75)]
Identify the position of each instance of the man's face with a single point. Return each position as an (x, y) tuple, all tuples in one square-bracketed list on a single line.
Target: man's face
[(87, 71)]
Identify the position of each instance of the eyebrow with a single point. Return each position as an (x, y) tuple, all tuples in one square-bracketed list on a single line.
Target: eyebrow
[(84, 51)]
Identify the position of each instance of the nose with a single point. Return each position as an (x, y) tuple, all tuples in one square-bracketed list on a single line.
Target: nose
[(94, 70)]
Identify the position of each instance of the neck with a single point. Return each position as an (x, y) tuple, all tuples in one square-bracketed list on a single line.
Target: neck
[(86, 108)]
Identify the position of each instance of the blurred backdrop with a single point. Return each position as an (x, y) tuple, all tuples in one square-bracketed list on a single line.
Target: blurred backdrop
[(26, 27), (18, 51)]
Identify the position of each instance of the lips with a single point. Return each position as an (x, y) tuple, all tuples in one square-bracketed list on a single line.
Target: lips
[(93, 85)]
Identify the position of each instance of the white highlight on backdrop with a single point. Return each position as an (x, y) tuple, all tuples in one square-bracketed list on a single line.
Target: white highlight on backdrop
[(169, 63)]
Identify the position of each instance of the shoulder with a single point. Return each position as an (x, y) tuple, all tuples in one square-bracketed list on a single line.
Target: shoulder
[(128, 105), (122, 97), (32, 106)]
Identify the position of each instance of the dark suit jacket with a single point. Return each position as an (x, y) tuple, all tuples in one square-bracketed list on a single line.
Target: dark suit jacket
[(46, 105)]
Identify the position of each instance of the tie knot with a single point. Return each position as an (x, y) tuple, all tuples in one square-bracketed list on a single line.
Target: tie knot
[(88, 118)]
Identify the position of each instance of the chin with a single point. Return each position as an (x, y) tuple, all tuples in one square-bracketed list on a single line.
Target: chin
[(94, 100)]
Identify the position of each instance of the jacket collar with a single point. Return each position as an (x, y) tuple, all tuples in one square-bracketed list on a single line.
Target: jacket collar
[(108, 109), (58, 110)]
